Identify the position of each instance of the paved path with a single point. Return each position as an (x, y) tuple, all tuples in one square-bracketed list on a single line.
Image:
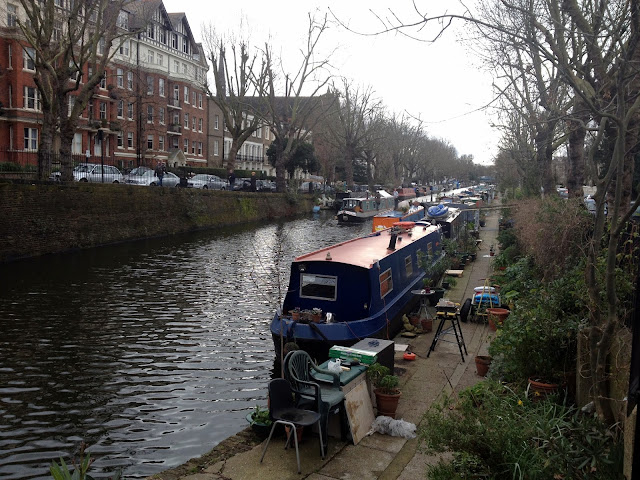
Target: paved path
[(377, 456)]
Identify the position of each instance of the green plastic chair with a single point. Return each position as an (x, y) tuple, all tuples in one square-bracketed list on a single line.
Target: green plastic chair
[(311, 395)]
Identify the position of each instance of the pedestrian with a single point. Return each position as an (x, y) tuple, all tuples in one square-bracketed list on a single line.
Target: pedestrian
[(232, 179), (253, 181), (160, 170), (395, 198)]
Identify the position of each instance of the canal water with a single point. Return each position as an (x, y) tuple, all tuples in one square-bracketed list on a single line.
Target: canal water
[(150, 352)]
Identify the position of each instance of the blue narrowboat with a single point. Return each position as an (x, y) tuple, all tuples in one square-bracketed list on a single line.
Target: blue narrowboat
[(353, 290)]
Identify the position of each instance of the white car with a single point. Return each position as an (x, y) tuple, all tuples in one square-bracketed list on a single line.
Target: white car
[(204, 181), (149, 178), (95, 173)]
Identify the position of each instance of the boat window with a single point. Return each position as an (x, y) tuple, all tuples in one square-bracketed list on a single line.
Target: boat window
[(386, 283), (318, 286), (408, 266)]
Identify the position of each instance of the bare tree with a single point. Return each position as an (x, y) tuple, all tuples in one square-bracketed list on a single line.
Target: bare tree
[(291, 115), (239, 74), (70, 46)]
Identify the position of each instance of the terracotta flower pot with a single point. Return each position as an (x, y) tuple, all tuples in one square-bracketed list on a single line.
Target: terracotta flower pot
[(539, 389), (295, 315), (499, 315), (299, 430), (482, 364), (426, 324), (387, 404)]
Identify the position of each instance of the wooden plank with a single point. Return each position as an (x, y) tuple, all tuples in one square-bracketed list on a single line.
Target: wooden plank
[(454, 273), (359, 411)]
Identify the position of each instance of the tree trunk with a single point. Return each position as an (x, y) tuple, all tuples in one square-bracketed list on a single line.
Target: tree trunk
[(577, 134)]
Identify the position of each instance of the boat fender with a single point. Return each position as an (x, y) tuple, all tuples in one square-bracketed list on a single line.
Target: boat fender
[(409, 356)]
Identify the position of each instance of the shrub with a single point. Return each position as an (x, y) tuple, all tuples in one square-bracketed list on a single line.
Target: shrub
[(497, 433)]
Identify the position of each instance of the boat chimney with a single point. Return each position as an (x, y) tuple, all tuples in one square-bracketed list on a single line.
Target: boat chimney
[(392, 241)]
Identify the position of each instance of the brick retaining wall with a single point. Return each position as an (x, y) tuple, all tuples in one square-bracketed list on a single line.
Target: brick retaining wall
[(42, 219)]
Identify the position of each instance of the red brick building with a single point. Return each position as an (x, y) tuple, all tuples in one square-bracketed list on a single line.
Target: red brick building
[(151, 106)]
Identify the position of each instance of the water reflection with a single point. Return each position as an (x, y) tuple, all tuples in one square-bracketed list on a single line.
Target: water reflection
[(151, 352)]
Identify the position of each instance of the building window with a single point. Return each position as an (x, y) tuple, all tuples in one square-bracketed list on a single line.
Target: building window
[(28, 58), (120, 140), (76, 146), (185, 45), (259, 133), (90, 113), (31, 98), (12, 15), (161, 142), (184, 68), (130, 139), (193, 123), (186, 146), (199, 100), (9, 65), (130, 80), (161, 87), (103, 81), (199, 124), (70, 104), (149, 85), (216, 148), (200, 148), (186, 94), (176, 66), (161, 115), (120, 108), (31, 139), (193, 98), (150, 142), (120, 77), (174, 43), (124, 48), (130, 111), (149, 114), (186, 121), (163, 36), (151, 30), (160, 59), (57, 30), (176, 94), (193, 147), (103, 111), (101, 46), (216, 122), (151, 58)]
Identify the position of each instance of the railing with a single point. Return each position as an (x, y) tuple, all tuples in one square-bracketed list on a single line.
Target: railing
[(174, 128), (23, 164), (173, 102)]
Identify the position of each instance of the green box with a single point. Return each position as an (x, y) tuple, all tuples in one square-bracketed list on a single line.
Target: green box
[(350, 354)]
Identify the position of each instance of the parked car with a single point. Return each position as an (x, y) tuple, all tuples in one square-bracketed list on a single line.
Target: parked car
[(264, 185), (93, 172), (242, 184), (204, 181), (149, 178)]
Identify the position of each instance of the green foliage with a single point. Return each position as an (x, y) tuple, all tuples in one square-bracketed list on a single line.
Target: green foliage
[(539, 337), (79, 471), (380, 376), (303, 156), (10, 167), (261, 416), (498, 433)]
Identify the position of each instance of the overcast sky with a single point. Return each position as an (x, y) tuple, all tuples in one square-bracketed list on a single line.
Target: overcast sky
[(441, 83)]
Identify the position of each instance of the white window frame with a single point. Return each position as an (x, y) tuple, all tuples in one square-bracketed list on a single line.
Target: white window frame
[(30, 138)]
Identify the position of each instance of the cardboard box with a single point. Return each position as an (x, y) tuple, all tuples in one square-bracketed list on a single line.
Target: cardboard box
[(349, 354)]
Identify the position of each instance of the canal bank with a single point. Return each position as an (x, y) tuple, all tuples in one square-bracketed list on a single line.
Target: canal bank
[(43, 219), (377, 456)]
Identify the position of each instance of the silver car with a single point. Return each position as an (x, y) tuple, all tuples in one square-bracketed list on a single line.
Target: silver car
[(204, 181), (93, 172), (149, 178)]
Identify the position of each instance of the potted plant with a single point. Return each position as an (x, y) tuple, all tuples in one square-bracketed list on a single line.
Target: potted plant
[(385, 389), (260, 421), (295, 314)]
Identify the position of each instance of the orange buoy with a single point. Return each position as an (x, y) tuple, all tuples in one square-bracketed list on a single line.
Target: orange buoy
[(404, 224), (409, 356)]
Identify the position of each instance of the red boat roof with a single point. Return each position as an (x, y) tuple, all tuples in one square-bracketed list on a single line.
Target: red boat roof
[(364, 251)]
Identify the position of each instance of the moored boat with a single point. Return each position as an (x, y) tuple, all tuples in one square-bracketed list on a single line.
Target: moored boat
[(357, 210), (353, 290), (386, 220)]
